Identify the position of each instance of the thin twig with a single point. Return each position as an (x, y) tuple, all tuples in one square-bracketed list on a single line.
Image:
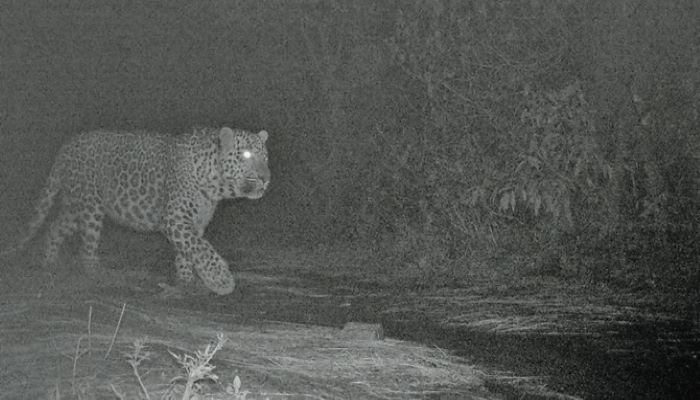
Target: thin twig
[(138, 378), (57, 392), (135, 359), (116, 393), (76, 356), (89, 331), (116, 330)]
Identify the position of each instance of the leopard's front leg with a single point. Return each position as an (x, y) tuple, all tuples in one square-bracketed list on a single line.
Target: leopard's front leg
[(195, 252)]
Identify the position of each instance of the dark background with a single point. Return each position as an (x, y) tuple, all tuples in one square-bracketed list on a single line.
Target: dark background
[(451, 140)]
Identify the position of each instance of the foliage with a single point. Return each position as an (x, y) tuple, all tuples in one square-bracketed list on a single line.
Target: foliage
[(490, 136), (135, 359), (198, 367), (500, 150)]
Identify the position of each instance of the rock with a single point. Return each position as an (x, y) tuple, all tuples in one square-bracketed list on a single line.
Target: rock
[(362, 331)]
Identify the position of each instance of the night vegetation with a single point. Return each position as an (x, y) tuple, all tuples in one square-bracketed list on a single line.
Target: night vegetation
[(452, 139), (516, 180)]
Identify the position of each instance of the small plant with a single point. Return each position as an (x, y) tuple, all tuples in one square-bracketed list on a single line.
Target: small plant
[(198, 367), (135, 358), (78, 353), (235, 390)]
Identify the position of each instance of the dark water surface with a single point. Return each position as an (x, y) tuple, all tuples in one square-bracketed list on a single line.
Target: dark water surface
[(642, 362), (630, 360)]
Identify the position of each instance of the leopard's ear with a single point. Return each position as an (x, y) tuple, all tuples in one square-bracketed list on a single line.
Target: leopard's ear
[(263, 136), (226, 136)]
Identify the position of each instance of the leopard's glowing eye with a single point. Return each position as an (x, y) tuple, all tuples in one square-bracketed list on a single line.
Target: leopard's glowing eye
[(247, 154)]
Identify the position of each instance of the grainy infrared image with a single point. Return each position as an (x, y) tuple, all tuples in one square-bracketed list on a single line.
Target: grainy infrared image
[(322, 199)]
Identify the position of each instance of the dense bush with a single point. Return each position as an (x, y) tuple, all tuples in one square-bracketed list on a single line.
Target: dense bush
[(496, 147)]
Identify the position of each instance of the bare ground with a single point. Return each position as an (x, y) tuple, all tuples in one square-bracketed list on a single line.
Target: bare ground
[(64, 337), (67, 336)]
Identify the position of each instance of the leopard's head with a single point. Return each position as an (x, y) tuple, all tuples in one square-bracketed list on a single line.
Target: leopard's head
[(243, 163)]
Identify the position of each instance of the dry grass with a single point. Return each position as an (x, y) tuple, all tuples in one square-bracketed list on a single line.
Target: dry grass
[(52, 351), (547, 310)]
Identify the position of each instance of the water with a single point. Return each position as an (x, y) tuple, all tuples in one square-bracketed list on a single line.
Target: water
[(631, 360)]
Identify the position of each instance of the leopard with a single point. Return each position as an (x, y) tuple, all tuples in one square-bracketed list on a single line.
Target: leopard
[(149, 182)]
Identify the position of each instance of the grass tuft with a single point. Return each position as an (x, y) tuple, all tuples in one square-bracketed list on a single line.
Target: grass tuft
[(138, 355), (198, 367)]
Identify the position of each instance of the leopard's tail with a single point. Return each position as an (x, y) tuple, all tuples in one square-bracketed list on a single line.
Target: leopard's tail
[(41, 211)]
